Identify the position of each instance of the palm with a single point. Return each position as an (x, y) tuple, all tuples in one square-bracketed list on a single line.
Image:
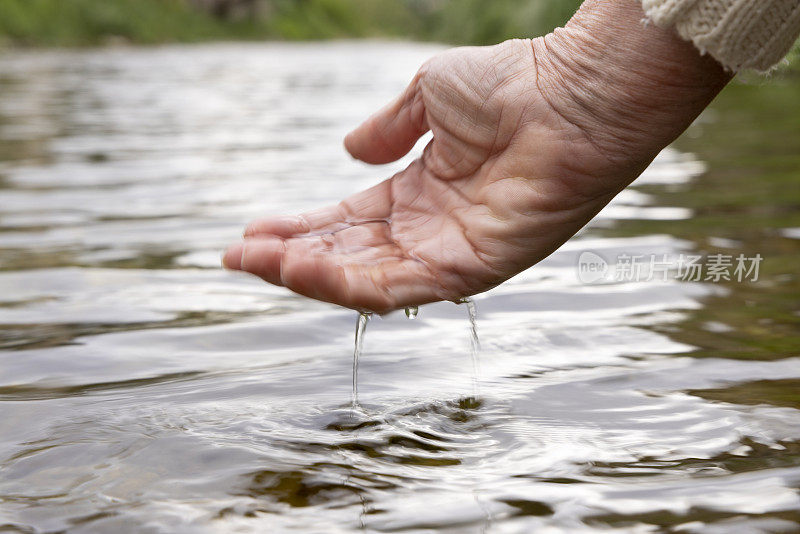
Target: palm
[(491, 195)]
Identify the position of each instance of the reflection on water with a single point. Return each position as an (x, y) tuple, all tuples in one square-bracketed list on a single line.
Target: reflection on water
[(144, 389)]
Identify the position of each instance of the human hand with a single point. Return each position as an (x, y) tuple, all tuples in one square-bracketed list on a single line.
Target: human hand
[(528, 145)]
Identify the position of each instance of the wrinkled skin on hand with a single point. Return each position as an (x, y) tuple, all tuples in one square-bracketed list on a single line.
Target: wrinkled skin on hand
[(510, 175)]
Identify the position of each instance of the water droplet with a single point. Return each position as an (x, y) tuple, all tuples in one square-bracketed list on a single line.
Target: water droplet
[(412, 311)]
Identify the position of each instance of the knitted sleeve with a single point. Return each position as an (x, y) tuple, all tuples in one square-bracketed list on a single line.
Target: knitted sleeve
[(740, 34)]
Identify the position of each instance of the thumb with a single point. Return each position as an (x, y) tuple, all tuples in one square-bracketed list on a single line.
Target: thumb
[(389, 134)]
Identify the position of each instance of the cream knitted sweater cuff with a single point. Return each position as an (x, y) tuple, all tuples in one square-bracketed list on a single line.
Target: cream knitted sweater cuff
[(740, 34)]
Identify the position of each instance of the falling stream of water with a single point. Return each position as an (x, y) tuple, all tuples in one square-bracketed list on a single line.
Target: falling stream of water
[(361, 329), (475, 343), (411, 313)]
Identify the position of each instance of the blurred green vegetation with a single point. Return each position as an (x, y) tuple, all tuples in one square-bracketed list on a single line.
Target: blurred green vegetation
[(486, 22), (94, 22), (87, 22)]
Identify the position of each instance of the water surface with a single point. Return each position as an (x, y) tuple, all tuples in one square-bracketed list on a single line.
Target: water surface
[(143, 389)]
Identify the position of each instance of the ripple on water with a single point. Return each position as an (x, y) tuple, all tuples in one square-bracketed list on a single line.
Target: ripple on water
[(143, 388)]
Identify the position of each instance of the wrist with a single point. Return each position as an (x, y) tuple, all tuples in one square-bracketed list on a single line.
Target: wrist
[(630, 86)]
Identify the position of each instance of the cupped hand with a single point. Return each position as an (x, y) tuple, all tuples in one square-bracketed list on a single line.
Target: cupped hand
[(516, 166)]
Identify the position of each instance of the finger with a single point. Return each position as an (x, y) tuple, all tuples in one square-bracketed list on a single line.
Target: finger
[(324, 276), (365, 285), (369, 205), (310, 267), (232, 258), (392, 132), (375, 277), (261, 257), (282, 226)]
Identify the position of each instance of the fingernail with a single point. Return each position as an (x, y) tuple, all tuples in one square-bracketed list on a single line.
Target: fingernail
[(232, 259)]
